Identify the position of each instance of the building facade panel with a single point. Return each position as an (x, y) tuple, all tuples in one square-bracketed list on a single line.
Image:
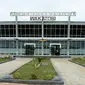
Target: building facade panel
[(31, 32)]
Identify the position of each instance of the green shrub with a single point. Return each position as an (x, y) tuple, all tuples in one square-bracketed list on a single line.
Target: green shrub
[(80, 60), (48, 77), (83, 58), (9, 57), (33, 76), (76, 59), (17, 75), (37, 65), (39, 59)]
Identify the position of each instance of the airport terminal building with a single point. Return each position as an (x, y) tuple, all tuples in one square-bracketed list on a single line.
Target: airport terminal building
[(42, 38)]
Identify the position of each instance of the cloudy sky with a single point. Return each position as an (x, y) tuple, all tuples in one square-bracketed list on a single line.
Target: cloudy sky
[(7, 6)]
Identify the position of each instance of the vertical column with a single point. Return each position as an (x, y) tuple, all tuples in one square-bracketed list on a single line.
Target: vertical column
[(16, 18), (68, 35), (42, 35), (21, 48)]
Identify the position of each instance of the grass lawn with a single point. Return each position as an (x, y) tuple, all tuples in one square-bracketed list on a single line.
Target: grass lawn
[(5, 59), (34, 70), (80, 60)]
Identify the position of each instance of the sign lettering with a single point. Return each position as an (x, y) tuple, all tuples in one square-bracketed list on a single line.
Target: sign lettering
[(39, 18)]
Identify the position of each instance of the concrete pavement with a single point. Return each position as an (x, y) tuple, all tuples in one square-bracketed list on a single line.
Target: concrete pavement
[(13, 84), (72, 73), (9, 67)]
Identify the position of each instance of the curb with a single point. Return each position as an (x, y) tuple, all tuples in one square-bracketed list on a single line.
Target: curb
[(32, 81), (55, 56), (76, 63), (58, 73)]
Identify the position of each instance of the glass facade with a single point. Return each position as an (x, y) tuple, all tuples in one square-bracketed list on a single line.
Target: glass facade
[(77, 31), (7, 31), (55, 30), (31, 32)]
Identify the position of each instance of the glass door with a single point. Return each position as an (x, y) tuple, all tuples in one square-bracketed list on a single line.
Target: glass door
[(29, 49), (55, 49)]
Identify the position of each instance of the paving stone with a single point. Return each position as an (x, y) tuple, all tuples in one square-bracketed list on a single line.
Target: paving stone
[(72, 73), (11, 66)]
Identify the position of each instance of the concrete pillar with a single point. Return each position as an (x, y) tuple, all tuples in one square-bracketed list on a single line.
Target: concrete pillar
[(16, 20), (68, 41), (16, 46), (42, 36)]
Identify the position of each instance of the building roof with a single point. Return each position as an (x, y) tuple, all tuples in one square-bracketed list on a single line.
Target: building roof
[(45, 22)]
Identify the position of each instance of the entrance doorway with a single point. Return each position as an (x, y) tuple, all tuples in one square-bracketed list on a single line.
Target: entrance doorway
[(55, 48), (29, 48)]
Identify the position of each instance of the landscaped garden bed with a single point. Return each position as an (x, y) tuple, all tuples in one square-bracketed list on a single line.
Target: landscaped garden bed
[(5, 59), (79, 60), (38, 69)]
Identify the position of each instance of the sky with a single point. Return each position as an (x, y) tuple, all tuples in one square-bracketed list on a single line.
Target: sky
[(7, 6)]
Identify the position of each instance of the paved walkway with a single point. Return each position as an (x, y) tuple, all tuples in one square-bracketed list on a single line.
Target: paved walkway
[(9, 67), (12, 84), (73, 74)]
